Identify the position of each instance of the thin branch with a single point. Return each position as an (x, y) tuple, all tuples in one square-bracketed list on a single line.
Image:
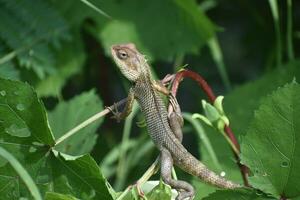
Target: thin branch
[(101, 12), (88, 121)]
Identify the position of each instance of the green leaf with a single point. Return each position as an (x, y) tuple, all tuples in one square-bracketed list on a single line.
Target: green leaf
[(240, 104), (51, 171), (22, 115), (161, 191), (271, 146), (68, 114), (188, 27), (79, 176), (245, 194), (22, 173), (27, 29), (57, 196)]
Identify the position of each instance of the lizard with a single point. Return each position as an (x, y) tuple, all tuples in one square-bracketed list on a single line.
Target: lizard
[(165, 135)]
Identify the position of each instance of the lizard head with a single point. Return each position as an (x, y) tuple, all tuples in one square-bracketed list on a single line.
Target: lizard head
[(129, 60)]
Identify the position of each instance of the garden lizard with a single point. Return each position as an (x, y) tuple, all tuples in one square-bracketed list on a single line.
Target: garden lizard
[(166, 137)]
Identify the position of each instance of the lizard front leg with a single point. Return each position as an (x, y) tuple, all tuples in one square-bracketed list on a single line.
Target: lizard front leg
[(127, 109)]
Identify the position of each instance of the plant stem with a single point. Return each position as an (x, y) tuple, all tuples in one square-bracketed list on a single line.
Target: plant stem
[(202, 135), (289, 34), (122, 168), (87, 122), (22, 173), (275, 14), (217, 55), (101, 12)]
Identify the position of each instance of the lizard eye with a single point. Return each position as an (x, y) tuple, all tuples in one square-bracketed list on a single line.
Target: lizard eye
[(122, 54)]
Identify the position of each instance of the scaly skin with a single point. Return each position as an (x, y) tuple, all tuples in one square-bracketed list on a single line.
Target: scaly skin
[(167, 138)]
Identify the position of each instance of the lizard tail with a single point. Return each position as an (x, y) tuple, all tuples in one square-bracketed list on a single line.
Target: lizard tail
[(196, 168)]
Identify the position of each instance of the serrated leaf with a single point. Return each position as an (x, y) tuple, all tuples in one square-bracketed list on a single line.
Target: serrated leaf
[(245, 194), (69, 114), (271, 146), (76, 176), (240, 104), (79, 176)]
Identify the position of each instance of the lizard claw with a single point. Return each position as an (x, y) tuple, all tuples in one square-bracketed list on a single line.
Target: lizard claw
[(114, 110), (167, 79)]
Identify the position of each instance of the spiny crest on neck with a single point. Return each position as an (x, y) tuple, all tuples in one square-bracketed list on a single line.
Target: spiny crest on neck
[(132, 64)]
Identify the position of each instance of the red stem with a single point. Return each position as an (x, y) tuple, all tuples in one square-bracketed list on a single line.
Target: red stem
[(211, 96)]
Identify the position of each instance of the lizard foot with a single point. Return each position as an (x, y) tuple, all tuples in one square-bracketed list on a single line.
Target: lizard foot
[(185, 195), (114, 110)]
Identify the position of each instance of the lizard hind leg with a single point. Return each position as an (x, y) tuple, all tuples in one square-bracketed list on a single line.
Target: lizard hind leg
[(184, 189)]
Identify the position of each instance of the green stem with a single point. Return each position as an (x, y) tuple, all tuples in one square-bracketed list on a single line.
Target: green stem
[(101, 12), (122, 169), (289, 35), (217, 55), (87, 122), (236, 151), (201, 134), (275, 14), (22, 173)]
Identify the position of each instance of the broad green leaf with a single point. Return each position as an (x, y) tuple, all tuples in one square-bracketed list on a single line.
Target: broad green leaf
[(161, 191), (68, 114), (240, 104), (187, 26), (153, 190), (271, 146), (23, 119), (244, 194), (79, 176), (25, 133)]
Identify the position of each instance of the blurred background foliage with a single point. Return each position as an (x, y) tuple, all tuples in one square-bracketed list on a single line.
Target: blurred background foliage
[(244, 49)]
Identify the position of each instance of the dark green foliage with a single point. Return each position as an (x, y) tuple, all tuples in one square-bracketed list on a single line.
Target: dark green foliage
[(27, 28), (61, 49), (24, 132), (68, 114)]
